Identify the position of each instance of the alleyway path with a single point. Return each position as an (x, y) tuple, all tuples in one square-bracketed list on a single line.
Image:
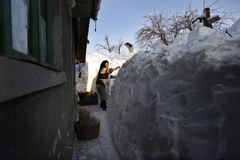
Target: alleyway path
[(100, 148)]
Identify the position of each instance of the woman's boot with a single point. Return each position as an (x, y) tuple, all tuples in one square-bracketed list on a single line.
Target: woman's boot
[(104, 105), (101, 104)]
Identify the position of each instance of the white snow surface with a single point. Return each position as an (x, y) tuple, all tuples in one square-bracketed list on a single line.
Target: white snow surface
[(173, 102), (100, 148), (180, 101)]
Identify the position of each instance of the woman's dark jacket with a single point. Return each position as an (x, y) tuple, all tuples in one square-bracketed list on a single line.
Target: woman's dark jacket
[(101, 76)]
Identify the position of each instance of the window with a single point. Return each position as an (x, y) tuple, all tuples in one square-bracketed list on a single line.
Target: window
[(43, 30), (20, 25), (25, 30)]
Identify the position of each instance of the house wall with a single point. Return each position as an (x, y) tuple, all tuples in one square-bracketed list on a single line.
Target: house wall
[(37, 103)]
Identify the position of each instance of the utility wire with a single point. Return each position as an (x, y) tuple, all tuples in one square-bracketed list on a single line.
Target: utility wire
[(213, 3)]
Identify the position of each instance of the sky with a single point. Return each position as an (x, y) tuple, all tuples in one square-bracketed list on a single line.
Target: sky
[(122, 19)]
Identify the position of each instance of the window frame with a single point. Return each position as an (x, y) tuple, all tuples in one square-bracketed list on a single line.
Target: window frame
[(34, 56)]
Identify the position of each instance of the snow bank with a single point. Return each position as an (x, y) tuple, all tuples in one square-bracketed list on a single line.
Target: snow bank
[(181, 101)]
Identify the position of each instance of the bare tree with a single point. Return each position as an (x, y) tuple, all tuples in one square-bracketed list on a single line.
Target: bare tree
[(176, 25), (107, 45), (159, 27), (188, 17), (119, 46), (154, 29), (163, 28)]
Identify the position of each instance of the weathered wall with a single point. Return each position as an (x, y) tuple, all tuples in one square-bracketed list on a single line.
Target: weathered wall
[(36, 112), (35, 126)]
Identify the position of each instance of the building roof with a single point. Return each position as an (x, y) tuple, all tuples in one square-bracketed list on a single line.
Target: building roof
[(86, 8)]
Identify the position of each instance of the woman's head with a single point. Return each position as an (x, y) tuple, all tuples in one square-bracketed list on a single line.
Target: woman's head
[(104, 64)]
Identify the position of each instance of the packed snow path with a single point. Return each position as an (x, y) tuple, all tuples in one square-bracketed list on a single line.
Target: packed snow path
[(100, 148)]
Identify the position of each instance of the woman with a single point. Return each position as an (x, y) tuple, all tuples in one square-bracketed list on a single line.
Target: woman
[(102, 79)]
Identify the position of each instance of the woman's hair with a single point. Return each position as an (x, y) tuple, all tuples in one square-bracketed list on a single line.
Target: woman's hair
[(102, 65)]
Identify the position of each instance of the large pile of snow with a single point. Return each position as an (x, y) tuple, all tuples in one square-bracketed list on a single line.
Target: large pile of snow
[(180, 101)]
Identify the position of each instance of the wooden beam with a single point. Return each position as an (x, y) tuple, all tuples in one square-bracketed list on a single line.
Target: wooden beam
[(83, 38)]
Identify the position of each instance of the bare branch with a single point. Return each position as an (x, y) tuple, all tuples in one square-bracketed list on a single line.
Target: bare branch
[(107, 45), (161, 28), (155, 29), (119, 46)]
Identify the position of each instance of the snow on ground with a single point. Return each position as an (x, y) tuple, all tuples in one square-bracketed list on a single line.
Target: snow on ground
[(100, 148)]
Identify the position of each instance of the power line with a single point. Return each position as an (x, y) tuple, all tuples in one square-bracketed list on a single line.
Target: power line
[(226, 12), (213, 3)]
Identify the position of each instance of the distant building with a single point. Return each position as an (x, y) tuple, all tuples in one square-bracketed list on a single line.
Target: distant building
[(37, 80)]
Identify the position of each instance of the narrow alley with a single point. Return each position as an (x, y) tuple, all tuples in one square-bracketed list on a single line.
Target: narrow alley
[(100, 148)]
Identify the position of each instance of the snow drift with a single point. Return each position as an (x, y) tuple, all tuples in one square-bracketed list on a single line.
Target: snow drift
[(180, 101)]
